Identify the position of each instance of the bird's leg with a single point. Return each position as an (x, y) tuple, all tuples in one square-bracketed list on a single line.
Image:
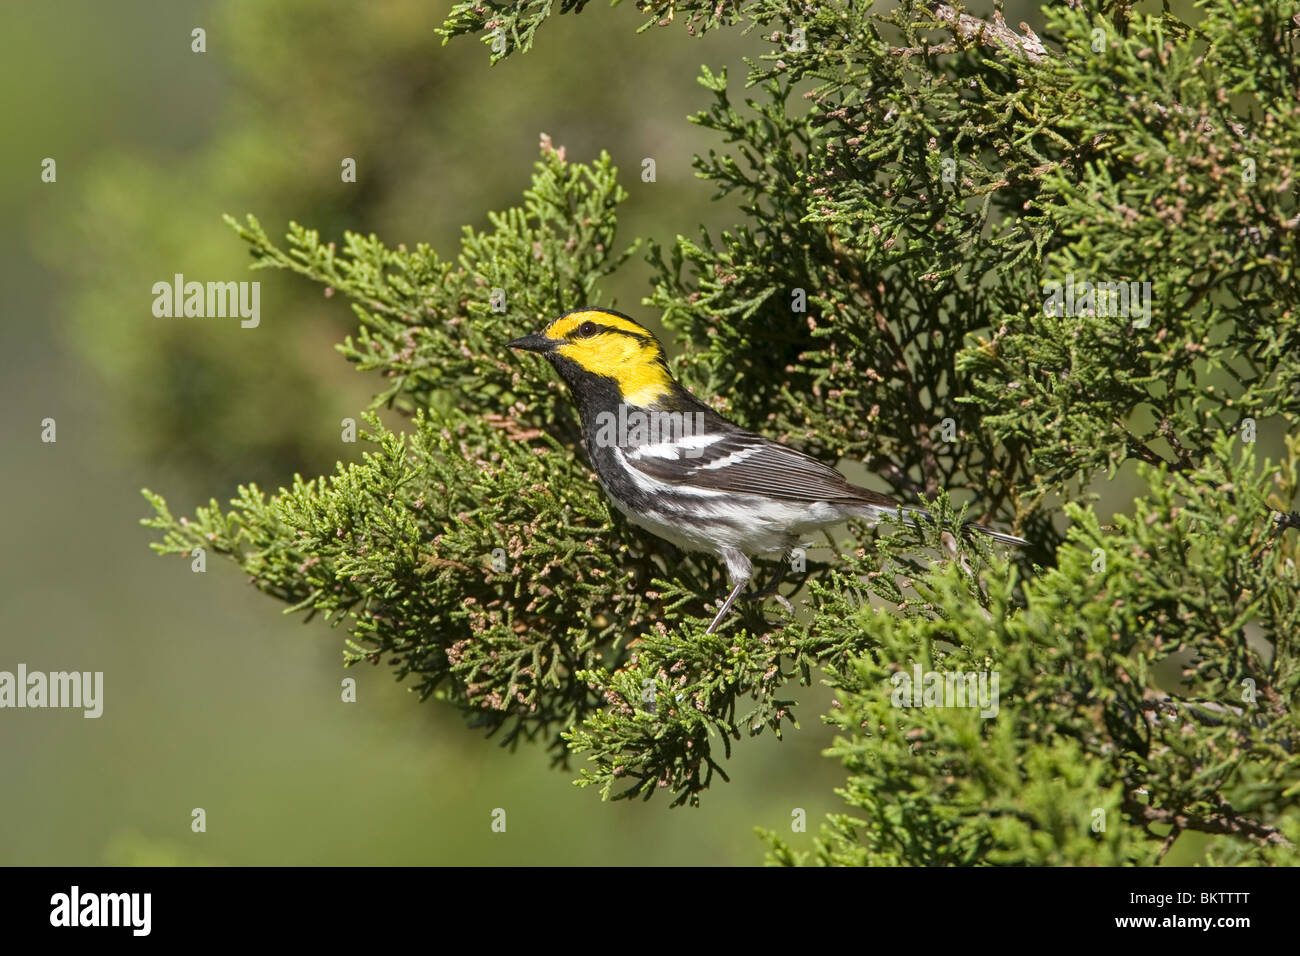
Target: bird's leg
[(740, 570), (726, 606)]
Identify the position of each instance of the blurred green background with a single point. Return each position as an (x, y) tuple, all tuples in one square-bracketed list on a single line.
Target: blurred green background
[(213, 698)]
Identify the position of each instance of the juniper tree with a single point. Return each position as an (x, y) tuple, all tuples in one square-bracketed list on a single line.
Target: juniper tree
[(1004, 270)]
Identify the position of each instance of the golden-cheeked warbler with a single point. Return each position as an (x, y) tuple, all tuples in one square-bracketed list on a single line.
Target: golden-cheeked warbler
[(679, 469)]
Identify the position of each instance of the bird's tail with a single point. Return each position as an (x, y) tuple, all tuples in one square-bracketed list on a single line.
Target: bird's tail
[(971, 526)]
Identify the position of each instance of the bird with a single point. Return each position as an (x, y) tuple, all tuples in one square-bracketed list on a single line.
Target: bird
[(678, 469)]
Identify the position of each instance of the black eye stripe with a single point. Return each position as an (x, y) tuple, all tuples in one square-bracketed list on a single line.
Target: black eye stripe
[(582, 332)]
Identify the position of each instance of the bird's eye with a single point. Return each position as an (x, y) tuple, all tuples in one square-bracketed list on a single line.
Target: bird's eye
[(586, 330)]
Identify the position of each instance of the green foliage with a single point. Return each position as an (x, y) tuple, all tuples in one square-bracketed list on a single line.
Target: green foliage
[(1193, 590), (944, 172), (434, 548), (512, 27)]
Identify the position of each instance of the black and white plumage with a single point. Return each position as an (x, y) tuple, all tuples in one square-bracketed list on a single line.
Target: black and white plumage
[(677, 468)]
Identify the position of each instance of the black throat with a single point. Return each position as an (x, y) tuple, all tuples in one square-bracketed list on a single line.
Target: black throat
[(600, 401)]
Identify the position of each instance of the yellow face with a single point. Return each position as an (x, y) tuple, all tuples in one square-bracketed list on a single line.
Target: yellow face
[(615, 347)]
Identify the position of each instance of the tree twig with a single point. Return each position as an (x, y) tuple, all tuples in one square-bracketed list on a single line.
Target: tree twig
[(995, 34), (1225, 822)]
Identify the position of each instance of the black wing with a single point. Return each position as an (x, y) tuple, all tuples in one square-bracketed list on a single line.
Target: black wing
[(748, 464)]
